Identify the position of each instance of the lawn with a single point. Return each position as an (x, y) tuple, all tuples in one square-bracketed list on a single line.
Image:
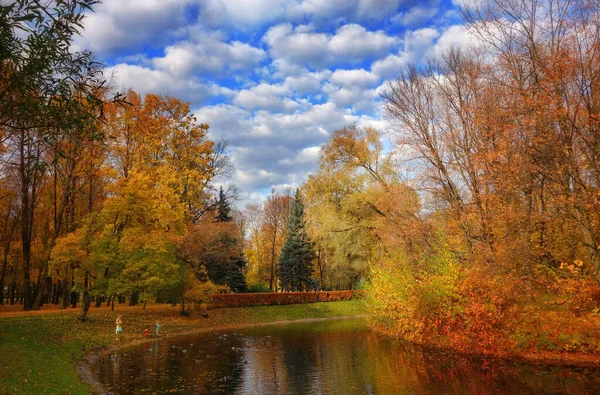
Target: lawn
[(38, 350)]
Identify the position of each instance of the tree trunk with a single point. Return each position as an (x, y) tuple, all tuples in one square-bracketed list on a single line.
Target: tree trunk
[(5, 262), (74, 297), (42, 291), (2, 284), (27, 209), (64, 301), (11, 292), (85, 306), (134, 299)]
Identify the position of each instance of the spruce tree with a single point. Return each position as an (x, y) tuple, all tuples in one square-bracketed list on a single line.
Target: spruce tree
[(224, 265), (223, 208), (295, 267)]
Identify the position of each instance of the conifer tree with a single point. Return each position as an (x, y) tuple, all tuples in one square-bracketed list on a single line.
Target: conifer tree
[(295, 266), (224, 264), (223, 208)]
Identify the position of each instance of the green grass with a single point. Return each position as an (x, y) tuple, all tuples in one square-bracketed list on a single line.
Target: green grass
[(38, 352)]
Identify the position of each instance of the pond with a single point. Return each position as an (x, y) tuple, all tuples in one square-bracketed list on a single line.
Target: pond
[(326, 357)]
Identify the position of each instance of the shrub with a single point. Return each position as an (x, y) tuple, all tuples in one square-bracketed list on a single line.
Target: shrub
[(256, 288), (278, 298)]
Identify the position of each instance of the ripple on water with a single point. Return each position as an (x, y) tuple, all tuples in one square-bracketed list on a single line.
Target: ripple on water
[(332, 357)]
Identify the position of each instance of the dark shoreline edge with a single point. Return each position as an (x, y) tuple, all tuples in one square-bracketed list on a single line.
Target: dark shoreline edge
[(534, 357)]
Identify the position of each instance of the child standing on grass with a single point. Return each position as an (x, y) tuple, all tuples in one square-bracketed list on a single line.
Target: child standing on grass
[(157, 328), (119, 324), (146, 331)]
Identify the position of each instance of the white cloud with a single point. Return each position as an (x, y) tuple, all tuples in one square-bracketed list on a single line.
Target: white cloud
[(309, 155), (359, 77), (244, 13), (469, 3), (306, 82), (355, 98), (279, 75), (275, 149), (417, 43), (376, 9), (391, 65), (118, 24), (455, 36), (266, 97), (207, 52), (301, 45), (297, 46), (356, 43), (415, 16), (144, 80)]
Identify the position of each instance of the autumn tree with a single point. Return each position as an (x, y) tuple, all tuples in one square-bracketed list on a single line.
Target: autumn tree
[(501, 140), (356, 201), (226, 269), (257, 272), (273, 231), (47, 91), (156, 172)]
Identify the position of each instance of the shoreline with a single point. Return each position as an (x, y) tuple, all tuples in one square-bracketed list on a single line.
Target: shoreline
[(573, 360), (87, 361), (536, 357)]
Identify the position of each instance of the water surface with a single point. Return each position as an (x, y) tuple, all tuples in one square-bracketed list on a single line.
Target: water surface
[(332, 357)]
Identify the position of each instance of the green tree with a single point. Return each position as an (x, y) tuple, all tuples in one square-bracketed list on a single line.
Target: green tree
[(223, 208), (214, 253), (295, 267)]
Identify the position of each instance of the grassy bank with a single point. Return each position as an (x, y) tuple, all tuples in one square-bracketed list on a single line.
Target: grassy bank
[(38, 350)]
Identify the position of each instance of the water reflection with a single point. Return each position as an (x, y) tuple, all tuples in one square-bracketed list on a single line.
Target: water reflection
[(335, 357)]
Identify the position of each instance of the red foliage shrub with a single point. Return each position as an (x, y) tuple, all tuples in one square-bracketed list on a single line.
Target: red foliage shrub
[(278, 298)]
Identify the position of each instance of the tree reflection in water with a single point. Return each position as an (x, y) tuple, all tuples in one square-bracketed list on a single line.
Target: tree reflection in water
[(333, 357)]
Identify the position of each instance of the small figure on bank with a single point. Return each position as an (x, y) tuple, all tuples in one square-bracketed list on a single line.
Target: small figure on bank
[(146, 331), (157, 328), (119, 324)]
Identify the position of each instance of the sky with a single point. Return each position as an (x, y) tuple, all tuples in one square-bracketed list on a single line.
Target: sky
[(273, 78)]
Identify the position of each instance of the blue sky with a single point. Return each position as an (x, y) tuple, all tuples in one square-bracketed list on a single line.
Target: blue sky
[(274, 78)]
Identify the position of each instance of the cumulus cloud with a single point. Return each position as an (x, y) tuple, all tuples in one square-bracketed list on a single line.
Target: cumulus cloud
[(272, 149), (274, 78), (266, 97), (144, 80), (306, 82), (391, 65), (245, 14), (297, 46), (352, 43), (456, 36), (206, 52), (118, 25), (356, 43), (415, 16), (417, 45), (359, 77)]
